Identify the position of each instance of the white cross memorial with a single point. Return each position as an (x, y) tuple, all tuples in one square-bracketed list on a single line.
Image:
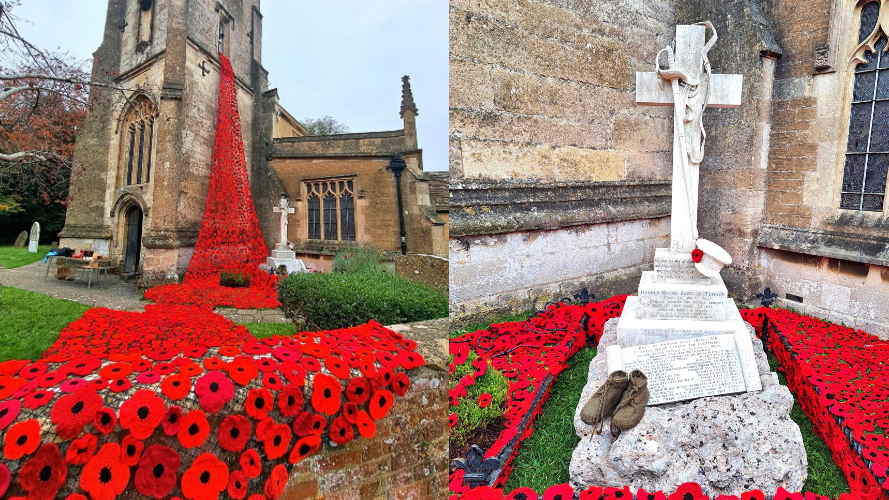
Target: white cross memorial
[(284, 209), (282, 255), (687, 85)]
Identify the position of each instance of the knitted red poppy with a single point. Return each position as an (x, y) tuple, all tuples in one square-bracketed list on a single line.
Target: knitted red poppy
[(120, 385), (350, 412), (592, 493), (141, 365), (105, 476), (148, 377), (190, 369), (325, 394), (307, 423), (44, 474), (366, 425), (176, 387), (241, 372), (484, 400), (272, 382), (409, 359), (164, 368), (383, 379), (264, 427), (33, 370), (131, 450), (234, 432), (380, 404), (21, 439), (337, 367), (50, 379), (5, 479), (250, 463), (8, 385), (215, 390), (317, 350), (194, 351), (283, 353), (115, 371), (73, 385), (172, 420), (290, 400), (265, 365), (73, 411), (293, 372), (400, 384), (640, 495), (98, 384), (277, 441), (163, 354), (259, 403), (205, 479), (213, 363), (310, 364), (561, 492), (104, 420), (753, 495), (274, 485), (341, 431), (37, 399), (697, 255), (157, 472), (304, 447), (12, 366), (81, 449), (194, 429), (688, 491), (229, 351), (142, 413), (237, 485), (358, 390)]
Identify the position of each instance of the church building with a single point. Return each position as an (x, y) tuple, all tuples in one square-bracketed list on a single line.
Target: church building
[(145, 150), (560, 180)]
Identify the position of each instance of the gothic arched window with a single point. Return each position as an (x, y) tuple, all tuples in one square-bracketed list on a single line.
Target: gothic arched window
[(867, 149), (331, 209), (138, 138)]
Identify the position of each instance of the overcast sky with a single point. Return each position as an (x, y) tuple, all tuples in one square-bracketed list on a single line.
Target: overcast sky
[(342, 58)]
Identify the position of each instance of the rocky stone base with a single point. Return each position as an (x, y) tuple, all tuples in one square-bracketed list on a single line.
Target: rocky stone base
[(727, 444)]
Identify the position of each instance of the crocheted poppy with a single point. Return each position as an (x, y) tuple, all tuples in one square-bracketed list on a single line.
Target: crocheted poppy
[(781, 494), (131, 450), (293, 372), (120, 385), (234, 432), (241, 372), (358, 390), (592, 493), (105, 476), (264, 427), (98, 384), (317, 350), (524, 493), (255, 348), (49, 379), (306, 424), (205, 479), (484, 400), (5, 479), (274, 485), (194, 429), (483, 493), (304, 447), (290, 400), (115, 371), (400, 384), (341, 431), (9, 410), (104, 420), (350, 412), (195, 351), (337, 367), (156, 475), (164, 368), (366, 425), (176, 387), (283, 353), (12, 366), (250, 463), (163, 354), (753, 495), (141, 365), (172, 420), (8, 385), (81, 449), (326, 394), (148, 377), (229, 351), (640, 495), (259, 403), (33, 370), (367, 367), (213, 363), (72, 385), (142, 413), (44, 474), (21, 439), (697, 255), (277, 441), (380, 404), (215, 390), (690, 491), (237, 484), (383, 379), (190, 369), (37, 399), (265, 365), (561, 492), (310, 364)]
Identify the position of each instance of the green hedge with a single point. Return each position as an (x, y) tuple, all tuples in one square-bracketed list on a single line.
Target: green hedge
[(339, 300)]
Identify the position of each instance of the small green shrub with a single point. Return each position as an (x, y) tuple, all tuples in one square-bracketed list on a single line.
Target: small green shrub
[(339, 300), (234, 279), (471, 416), (358, 260)]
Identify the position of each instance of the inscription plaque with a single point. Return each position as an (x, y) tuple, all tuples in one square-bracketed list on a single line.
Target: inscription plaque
[(676, 267), (679, 370)]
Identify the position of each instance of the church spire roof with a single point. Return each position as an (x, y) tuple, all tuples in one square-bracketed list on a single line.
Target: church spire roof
[(407, 97)]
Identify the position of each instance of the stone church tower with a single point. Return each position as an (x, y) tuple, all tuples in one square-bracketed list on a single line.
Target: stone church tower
[(146, 155)]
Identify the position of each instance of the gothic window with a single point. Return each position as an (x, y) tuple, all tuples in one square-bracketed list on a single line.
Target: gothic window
[(867, 149), (138, 138), (331, 210), (145, 7), (224, 35)]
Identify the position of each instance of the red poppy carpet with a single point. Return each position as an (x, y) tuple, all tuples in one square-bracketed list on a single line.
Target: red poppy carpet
[(179, 402)]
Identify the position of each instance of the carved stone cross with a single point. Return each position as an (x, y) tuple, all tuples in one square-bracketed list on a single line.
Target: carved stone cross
[(687, 85), (283, 208)]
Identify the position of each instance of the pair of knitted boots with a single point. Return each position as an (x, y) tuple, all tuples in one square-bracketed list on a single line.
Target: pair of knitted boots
[(621, 397)]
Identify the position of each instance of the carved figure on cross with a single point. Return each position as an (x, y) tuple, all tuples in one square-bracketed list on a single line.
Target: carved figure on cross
[(687, 84), (283, 208)]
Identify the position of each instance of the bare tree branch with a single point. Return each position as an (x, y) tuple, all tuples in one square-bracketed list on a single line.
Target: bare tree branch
[(22, 155)]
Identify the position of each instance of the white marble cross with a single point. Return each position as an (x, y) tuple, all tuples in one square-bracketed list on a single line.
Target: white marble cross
[(687, 85), (283, 208)]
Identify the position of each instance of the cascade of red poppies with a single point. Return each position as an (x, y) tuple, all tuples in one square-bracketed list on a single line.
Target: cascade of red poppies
[(230, 239)]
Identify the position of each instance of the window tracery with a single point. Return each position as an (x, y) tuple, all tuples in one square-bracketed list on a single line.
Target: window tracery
[(331, 209), (138, 139)]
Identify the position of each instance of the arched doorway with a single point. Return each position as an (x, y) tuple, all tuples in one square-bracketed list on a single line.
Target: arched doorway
[(133, 240)]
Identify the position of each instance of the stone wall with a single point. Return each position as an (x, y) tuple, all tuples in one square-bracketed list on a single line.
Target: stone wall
[(407, 460), (431, 270), (544, 132)]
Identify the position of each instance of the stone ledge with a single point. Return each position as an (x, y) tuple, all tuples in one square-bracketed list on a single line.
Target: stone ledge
[(491, 207), (843, 246)]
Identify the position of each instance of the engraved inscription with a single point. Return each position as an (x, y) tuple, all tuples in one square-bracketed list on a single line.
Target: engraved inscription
[(680, 370), (671, 267), (681, 304)]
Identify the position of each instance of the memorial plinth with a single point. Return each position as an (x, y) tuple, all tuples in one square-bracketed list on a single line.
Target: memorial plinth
[(284, 257)]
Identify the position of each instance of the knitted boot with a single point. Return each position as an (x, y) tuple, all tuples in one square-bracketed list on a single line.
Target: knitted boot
[(632, 405), (605, 400)]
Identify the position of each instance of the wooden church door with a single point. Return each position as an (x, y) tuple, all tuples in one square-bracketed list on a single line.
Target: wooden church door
[(134, 240)]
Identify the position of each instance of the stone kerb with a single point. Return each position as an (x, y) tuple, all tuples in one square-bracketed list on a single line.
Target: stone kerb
[(431, 270)]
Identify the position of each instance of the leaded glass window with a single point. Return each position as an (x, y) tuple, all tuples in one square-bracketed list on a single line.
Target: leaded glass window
[(137, 140), (331, 209), (867, 149)]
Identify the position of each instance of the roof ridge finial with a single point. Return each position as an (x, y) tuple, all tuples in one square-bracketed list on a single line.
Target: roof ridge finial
[(407, 96)]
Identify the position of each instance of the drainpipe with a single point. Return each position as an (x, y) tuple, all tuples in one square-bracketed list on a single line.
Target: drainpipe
[(397, 165)]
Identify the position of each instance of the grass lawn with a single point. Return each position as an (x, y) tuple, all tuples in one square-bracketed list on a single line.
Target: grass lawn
[(17, 257), (263, 330), (30, 322)]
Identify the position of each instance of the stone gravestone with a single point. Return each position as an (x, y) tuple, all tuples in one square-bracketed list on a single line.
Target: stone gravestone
[(282, 255), (22, 240), (684, 332), (35, 237)]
